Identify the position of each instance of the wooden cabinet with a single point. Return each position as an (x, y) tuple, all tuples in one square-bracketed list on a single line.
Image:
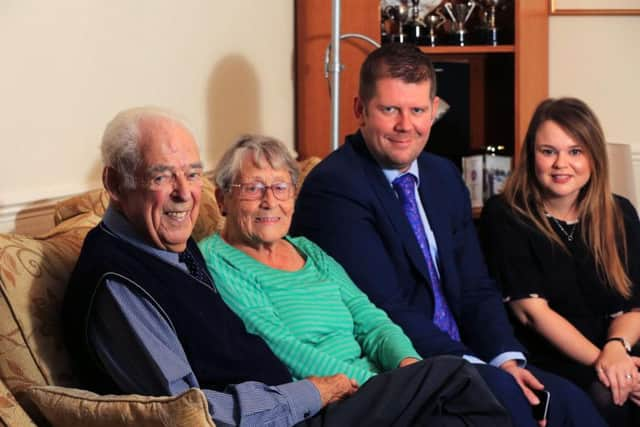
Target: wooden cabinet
[(506, 82)]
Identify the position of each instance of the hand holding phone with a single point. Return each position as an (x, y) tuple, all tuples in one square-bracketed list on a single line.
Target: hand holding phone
[(540, 410)]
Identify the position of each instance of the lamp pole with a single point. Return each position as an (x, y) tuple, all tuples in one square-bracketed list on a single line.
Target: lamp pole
[(334, 69)]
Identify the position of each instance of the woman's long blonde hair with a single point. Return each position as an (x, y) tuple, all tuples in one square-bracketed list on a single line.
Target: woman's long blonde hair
[(601, 219)]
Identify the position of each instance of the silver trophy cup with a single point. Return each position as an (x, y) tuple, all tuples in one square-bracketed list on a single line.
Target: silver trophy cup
[(460, 14), (490, 20), (415, 30), (433, 21)]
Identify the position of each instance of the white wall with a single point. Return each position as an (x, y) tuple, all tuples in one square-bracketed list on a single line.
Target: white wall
[(69, 65), (597, 58)]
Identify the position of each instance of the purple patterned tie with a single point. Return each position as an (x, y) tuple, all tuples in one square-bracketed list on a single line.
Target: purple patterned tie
[(442, 316)]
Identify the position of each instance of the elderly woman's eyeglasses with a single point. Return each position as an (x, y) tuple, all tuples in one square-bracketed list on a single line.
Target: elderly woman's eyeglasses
[(256, 190)]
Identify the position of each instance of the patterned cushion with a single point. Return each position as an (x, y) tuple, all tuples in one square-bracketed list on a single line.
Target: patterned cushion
[(68, 407), (305, 167), (95, 201), (209, 219), (33, 276)]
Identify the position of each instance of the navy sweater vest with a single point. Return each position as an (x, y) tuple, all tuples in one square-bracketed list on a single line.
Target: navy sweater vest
[(219, 349)]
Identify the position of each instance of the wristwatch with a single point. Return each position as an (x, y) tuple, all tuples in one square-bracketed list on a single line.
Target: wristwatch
[(622, 341)]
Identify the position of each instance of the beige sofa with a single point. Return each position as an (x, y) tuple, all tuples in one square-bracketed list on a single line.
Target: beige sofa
[(37, 386)]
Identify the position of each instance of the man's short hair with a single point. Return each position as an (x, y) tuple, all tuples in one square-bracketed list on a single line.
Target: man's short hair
[(121, 140), (398, 61)]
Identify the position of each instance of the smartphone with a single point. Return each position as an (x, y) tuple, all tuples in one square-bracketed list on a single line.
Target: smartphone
[(540, 410)]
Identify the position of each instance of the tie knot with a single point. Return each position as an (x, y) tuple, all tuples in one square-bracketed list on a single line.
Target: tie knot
[(405, 184)]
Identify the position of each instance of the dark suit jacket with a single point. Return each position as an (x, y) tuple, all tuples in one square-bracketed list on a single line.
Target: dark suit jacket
[(347, 206)]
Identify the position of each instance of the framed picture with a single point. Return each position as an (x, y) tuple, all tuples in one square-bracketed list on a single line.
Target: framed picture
[(594, 7)]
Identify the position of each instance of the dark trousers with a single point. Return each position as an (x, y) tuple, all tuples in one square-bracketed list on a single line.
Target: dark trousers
[(440, 391), (627, 415), (569, 405)]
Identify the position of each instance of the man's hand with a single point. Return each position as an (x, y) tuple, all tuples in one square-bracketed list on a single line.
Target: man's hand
[(527, 381), (334, 387), (407, 361)]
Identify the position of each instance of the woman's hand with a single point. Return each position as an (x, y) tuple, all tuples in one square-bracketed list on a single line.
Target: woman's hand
[(617, 371), (333, 388), (407, 361)]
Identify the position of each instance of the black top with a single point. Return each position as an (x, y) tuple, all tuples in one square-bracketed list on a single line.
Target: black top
[(525, 263)]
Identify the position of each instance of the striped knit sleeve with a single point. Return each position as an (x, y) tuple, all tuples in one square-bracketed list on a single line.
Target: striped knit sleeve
[(246, 298), (382, 341)]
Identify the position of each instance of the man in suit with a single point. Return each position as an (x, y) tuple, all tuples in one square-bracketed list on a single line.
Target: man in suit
[(399, 221), (142, 314)]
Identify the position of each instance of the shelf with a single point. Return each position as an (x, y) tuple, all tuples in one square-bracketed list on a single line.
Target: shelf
[(452, 50)]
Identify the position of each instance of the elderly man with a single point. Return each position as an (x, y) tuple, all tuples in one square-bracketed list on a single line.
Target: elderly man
[(399, 221), (142, 314)]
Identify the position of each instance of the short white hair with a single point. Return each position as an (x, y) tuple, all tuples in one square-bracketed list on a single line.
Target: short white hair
[(121, 140), (260, 148)]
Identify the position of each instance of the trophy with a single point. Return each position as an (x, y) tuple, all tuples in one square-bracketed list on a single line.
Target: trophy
[(433, 21), (416, 32), (460, 14), (404, 21), (490, 19), (386, 24), (393, 19)]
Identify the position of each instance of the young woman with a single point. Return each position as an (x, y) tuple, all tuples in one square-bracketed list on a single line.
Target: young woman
[(564, 249)]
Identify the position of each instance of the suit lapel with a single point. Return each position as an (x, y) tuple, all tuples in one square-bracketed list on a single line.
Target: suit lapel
[(392, 207)]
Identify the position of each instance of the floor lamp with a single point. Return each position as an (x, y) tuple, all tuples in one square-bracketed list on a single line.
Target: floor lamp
[(333, 68)]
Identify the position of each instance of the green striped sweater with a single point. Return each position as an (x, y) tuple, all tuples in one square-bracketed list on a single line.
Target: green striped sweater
[(315, 319)]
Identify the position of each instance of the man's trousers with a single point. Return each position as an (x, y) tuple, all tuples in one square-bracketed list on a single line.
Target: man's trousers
[(440, 391)]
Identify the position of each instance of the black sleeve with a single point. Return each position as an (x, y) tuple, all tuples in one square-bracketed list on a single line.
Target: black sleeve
[(511, 256), (632, 231)]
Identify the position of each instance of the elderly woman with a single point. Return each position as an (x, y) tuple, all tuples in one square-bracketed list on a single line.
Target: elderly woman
[(565, 249), (287, 290)]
